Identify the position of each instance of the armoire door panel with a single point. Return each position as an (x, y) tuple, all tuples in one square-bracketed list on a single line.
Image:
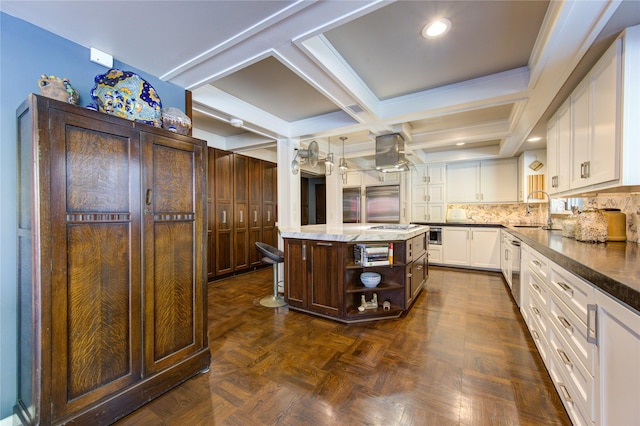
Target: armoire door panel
[(98, 307), (172, 170), (173, 288), (96, 293)]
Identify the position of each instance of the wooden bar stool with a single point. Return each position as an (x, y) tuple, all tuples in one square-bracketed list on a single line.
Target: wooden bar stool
[(272, 256)]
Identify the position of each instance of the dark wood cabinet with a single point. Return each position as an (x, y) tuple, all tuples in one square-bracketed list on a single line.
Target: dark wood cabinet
[(322, 277), (223, 183), (314, 271), (211, 215), (111, 274), (244, 210), (241, 208), (269, 203), (255, 210)]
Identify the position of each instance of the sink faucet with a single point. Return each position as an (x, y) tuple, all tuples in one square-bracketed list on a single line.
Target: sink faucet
[(549, 222)]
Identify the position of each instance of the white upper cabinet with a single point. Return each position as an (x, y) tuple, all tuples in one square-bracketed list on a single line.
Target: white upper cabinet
[(596, 133), (490, 181), (428, 193), (558, 149)]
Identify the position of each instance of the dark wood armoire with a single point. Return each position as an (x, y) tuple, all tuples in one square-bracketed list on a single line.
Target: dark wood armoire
[(112, 234)]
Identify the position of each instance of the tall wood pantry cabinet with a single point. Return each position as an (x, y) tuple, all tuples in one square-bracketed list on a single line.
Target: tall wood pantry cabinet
[(243, 211), (111, 263)]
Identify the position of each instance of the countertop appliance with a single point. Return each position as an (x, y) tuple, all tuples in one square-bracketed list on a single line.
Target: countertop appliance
[(383, 204), (456, 215), (511, 269), (351, 202)]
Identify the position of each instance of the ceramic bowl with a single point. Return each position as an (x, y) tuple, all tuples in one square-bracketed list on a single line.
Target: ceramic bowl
[(370, 279)]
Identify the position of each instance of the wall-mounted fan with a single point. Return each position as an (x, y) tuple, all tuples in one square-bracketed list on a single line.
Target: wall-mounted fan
[(307, 156)]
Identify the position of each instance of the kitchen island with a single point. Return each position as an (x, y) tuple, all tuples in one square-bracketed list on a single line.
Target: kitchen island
[(323, 265)]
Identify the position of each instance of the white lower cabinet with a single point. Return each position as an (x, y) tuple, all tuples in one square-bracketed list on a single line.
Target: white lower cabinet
[(476, 247), (589, 342), (435, 254), (618, 368)]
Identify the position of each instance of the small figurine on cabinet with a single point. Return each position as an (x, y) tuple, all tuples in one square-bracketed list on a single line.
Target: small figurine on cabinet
[(373, 304), (386, 305), (58, 88)]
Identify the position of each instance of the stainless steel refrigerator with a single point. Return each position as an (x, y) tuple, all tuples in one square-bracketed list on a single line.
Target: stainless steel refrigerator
[(383, 204), (351, 202)]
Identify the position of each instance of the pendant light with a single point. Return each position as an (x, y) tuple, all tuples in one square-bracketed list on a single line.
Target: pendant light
[(343, 161), (328, 162)]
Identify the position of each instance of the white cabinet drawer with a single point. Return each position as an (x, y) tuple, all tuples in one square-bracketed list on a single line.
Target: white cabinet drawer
[(577, 379), (574, 332), (577, 413), (538, 290), (538, 264), (573, 291)]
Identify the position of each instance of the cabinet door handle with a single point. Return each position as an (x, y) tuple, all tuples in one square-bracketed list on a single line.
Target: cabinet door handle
[(566, 324), (565, 287), (565, 392), (592, 324), (582, 174), (325, 244), (241, 220), (268, 215), (587, 169), (224, 216), (424, 198), (255, 216), (304, 251), (564, 357), (149, 196), (471, 233)]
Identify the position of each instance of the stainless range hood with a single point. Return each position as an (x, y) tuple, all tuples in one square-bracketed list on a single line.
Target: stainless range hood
[(390, 153)]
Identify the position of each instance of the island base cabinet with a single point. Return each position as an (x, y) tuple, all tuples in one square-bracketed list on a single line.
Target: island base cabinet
[(323, 278), (618, 370), (313, 276)]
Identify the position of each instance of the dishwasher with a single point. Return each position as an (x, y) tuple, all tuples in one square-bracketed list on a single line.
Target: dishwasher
[(513, 255)]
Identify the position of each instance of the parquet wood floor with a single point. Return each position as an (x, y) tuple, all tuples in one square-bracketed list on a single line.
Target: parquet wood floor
[(462, 356)]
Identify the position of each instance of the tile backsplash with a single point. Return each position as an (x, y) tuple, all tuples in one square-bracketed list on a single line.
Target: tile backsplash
[(629, 204)]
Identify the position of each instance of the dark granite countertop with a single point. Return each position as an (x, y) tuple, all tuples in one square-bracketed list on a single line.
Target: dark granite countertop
[(613, 267)]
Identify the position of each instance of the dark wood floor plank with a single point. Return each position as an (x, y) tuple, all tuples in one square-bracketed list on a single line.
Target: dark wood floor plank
[(461, 356)]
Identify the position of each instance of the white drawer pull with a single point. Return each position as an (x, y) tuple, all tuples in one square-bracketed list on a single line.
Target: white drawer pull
[(565, 392), (535, 335), (564, 357), (537, 287), (565, 287), (565, 323), (535, 262), (535, 310)]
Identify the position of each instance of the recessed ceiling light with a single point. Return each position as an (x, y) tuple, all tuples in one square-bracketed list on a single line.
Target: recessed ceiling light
[(460, 143), (436, 28), (534, 139)]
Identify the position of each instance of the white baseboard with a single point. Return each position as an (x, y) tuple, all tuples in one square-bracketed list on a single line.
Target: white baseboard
[(12, 420)]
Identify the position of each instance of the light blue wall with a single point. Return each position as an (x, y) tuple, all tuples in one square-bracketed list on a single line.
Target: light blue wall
[(26, 52)]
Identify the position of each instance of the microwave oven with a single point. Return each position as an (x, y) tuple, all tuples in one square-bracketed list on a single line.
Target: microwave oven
[(435, 235)]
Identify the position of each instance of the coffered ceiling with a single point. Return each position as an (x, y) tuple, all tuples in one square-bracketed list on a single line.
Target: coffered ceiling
[(318, 70)]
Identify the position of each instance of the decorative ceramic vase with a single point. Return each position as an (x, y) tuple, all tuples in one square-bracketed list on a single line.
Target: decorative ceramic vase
[(58, 88), (175, 120), (591, 227), (127, 95)]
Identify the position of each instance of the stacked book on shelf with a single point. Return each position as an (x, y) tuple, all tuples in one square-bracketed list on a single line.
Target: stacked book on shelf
[(373, 254)]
